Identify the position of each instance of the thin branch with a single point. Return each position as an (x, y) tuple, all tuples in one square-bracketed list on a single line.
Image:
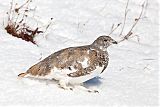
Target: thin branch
[(113, 29), (137, 19), (17, 9), (125, 16), (10, 11), (26, 9), (48, 25), (134, 24)]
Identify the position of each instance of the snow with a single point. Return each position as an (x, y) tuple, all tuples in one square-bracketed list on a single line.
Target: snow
[(131, 78)]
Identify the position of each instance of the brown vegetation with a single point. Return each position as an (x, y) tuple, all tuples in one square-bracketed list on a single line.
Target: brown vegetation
[(17, 26)]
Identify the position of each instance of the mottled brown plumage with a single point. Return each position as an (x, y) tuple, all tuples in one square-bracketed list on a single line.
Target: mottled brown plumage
[(75, 62)]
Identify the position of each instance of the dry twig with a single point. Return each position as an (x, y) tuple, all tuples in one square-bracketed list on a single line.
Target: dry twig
[(114, 28), (125, 16), (130, 33)]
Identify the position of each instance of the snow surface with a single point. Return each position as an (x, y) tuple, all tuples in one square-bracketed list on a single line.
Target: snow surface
[(131, 78)]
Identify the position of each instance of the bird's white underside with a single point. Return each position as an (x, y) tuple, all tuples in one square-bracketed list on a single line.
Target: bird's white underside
[(62, 75)]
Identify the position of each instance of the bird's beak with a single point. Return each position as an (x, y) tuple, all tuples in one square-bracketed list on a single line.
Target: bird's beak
[(115, 42)]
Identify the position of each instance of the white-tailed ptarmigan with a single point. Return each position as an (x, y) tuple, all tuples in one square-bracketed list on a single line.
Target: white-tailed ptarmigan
[(74, 65)]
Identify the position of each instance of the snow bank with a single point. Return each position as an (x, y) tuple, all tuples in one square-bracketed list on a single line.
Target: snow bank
[(131, 78)]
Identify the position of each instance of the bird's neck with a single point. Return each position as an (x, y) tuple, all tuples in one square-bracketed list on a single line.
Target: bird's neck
[(99, 48)]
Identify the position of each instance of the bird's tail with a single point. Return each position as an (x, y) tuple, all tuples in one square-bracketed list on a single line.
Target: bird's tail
[(31, 71), (22, 74), (36, 69)]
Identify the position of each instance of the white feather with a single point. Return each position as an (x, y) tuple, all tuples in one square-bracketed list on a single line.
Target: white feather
[(62, 75)]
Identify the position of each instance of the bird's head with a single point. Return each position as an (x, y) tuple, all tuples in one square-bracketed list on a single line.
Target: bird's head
[(103, 42)]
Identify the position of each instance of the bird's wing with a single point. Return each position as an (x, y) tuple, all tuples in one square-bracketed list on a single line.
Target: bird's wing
[(82, 72)]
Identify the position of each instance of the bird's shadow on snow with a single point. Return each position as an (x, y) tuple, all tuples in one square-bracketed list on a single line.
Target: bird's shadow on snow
[(96, 81)]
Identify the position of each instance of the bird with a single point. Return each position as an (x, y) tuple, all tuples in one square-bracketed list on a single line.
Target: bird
[(74, 65)]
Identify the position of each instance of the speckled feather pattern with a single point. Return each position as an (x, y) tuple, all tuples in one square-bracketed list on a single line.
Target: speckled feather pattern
[(75, 62)]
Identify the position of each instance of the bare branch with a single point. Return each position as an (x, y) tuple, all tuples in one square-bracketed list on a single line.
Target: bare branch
[(49, 24), (134, 24), (10, 11), (113, 29), (125, 16), (17, 9)]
